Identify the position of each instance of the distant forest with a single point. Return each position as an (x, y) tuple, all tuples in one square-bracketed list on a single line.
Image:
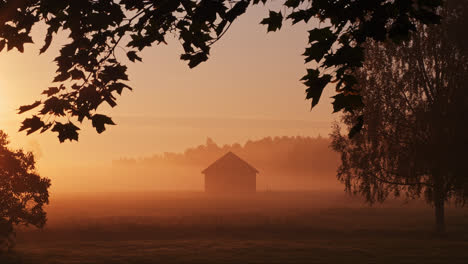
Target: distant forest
[(285, 163)]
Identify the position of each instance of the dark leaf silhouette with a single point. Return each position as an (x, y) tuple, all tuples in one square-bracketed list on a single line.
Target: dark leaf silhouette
[(316, 51), (132, 56), (274, 21), (99, 122), (300, 15), (238, 9), (54, 106), (62, 77), (347, 103), (89, 72), (51, 91), (316, 85), (293, 3), (195, 59), (66, 131), (77, 74), (31, 124), (321, 35), (2, 44), (357, 127), (25, 108), (48, 41)]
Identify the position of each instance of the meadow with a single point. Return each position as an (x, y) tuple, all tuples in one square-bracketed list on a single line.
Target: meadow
[(269, 227)]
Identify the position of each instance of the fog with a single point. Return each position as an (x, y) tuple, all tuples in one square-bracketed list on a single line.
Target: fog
[(284, 164)]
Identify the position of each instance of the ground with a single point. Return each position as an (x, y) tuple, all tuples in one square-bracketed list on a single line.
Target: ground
[(307, 227)]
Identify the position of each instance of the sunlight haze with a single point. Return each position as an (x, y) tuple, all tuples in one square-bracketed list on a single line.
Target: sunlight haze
[(248, 89)]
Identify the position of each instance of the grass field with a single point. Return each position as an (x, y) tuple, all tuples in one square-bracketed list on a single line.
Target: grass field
[(307, 227)]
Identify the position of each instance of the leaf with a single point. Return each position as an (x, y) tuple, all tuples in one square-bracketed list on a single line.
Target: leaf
[(62, 77), (195, 59), (2, 44), (300, 15), (81, 113), (132, 56), (51, 91), (31, 124), (316, 51), (48, 41), (55, 106), (18, 41), (321, 34), (25, 108), (357, 127), (99, 121), (237, 10), (114, 73), (220, 27), (66, 131), (110, 101), (77, 74), (274, 21), (346, 55), (46, 127), (315, 85), (255, 2), (348, 80), (89, 97), (348, 103), (118, 87), (292, 3)]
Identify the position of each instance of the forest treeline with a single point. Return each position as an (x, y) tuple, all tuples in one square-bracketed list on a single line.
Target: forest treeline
[(284, 163)]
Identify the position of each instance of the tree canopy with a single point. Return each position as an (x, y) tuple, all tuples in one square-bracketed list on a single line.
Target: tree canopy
[(414, 135), (90, 74), (23, 193)]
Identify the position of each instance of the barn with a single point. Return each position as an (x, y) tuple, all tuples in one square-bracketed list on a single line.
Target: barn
[(230, 174)]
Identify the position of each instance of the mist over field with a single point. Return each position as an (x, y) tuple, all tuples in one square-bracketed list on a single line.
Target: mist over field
[(284, 163), (267, 227), (154, 210)]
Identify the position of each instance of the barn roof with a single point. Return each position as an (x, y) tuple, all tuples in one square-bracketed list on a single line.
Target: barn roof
[(229, 162)]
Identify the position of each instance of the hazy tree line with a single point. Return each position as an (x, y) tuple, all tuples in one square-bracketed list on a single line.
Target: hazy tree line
[(291, 160)]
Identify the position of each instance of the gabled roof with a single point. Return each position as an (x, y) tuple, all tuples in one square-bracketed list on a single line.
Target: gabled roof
[(230, 162)]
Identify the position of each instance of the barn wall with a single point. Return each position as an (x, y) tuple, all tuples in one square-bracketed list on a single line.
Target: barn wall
[(230, 182)]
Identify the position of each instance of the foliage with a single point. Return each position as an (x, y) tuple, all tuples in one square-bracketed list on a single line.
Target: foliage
[(415, 133), (89, 74), (23, 193)]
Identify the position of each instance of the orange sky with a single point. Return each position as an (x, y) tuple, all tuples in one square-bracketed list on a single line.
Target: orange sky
[(248, 89)]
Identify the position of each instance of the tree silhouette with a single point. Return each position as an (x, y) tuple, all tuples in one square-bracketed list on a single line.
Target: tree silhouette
[(89, 73), (23, 193), (415, 132)]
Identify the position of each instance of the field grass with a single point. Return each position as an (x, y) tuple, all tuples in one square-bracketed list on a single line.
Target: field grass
[(266, 228)]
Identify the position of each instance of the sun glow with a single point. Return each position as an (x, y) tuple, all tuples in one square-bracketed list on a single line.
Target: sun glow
[(3, 87)]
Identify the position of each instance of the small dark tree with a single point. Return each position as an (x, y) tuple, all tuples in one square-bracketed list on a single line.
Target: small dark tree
[(415, 131), (23, 193)]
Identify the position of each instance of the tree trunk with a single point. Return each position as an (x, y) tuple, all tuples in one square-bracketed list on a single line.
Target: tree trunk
[(439, 202), (439, 206)]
